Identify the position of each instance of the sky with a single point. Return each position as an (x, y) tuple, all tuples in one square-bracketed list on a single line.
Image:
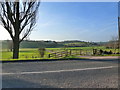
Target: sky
[(85, 21)]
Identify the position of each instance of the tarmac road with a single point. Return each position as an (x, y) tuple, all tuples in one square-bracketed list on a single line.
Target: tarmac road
[(91, 73)]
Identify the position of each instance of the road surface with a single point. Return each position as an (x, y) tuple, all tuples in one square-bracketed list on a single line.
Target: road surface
[(91, 73)]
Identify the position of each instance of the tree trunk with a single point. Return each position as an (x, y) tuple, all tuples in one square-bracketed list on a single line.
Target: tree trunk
[(15, 49), (16, 37), (119, 33)]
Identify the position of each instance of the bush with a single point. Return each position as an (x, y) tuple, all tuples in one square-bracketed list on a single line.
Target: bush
[(41, 52)]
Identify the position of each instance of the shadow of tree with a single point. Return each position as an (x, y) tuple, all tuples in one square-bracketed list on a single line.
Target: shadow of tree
[(10, 82)]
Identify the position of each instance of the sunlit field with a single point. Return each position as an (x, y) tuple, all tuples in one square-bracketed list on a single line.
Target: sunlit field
[(32, 53)]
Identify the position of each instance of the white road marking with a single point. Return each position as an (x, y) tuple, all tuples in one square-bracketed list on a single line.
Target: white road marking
[(57, 71)]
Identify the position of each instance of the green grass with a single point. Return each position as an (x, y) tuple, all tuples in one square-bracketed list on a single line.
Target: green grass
[(88, 48), (25, 53), (84, 48), (32, 53)]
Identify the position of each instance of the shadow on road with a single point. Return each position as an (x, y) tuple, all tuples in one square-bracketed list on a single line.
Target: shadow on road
[(10, 82)]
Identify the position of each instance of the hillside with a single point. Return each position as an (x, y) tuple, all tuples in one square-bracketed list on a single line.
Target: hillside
[(50, 44)]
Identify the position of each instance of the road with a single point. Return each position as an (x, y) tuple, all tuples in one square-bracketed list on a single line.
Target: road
[(91, 73)]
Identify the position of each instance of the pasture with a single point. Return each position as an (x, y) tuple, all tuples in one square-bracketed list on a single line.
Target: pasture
[(33, 53)]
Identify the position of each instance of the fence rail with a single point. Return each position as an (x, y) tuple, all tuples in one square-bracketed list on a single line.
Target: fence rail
[(69, 52)]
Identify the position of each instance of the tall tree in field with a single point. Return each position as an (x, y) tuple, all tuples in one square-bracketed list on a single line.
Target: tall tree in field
[(18, 18), (119, 24), (119, 32)]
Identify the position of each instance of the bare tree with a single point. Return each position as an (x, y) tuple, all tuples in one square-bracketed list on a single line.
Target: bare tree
[(114, 42), (19, 19), (119, 25), (119, 31)]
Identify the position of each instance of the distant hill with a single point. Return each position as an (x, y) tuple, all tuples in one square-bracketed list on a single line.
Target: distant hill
[(51, 44), (79, 44), (40, 44)]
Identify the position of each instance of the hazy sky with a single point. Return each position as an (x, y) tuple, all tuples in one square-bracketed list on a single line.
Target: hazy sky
[(89, 21)]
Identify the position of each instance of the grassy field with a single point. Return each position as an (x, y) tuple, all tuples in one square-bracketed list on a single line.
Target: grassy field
[(32, 53), (23, 53)]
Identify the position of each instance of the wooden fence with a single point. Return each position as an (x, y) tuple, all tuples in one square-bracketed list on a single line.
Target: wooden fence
[(74, 52), (69, 52)]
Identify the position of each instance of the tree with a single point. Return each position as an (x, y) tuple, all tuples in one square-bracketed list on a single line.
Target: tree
[(119, 31), (119, 24), (114, 43), (19, 19)]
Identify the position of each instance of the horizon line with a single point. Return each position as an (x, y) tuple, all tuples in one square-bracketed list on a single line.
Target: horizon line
[(58, 40)]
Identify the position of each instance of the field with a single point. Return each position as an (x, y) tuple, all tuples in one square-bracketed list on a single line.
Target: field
[(32, 53)]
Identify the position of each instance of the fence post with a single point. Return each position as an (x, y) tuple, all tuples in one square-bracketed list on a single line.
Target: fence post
[(66, 53), (70, 52), (48, 55), (80, 51), (60, 54), (76, 51), (55, 55), (94, 51)]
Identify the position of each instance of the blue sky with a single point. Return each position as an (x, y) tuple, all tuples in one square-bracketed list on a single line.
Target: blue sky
[(88, 21)]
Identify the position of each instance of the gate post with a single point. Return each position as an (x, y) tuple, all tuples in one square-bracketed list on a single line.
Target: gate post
[(94, 51)]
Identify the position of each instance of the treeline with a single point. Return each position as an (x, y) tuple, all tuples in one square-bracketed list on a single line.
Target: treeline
[(81, 44), (40, 44), (49, 44)]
